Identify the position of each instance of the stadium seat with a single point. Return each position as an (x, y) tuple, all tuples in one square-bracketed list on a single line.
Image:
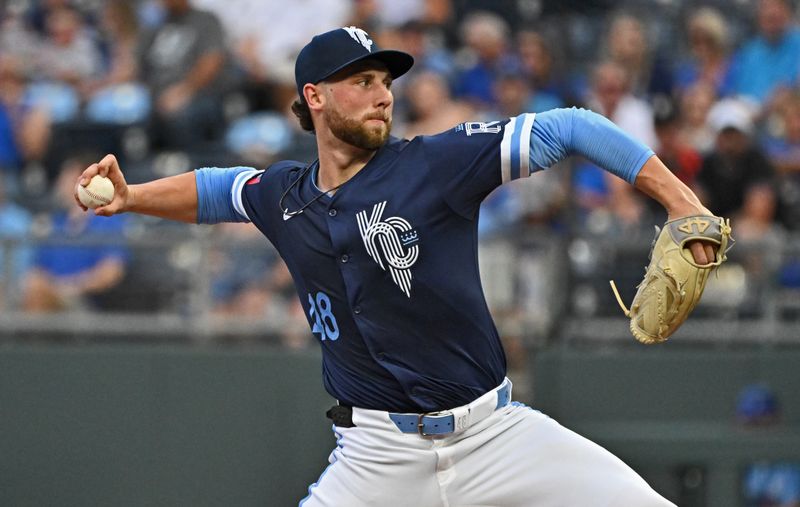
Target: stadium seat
[(61, 100), (121, 105), (262, 133)]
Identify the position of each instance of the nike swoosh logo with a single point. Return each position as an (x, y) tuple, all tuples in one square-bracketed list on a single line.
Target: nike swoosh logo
[(287, 216)]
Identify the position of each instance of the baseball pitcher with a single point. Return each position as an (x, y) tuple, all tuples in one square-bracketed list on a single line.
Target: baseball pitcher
[(380, 236)]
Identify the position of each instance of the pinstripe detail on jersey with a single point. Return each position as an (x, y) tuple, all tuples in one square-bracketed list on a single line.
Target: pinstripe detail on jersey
[(515, 147), (505, 150), (236, 190), (525, 145)]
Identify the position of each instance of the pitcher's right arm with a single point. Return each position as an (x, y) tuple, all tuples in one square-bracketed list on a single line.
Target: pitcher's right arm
[(201, 196)]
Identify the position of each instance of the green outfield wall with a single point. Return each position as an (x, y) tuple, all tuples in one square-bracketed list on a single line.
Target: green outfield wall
[(154, 426), (146, 425), (669, 411)]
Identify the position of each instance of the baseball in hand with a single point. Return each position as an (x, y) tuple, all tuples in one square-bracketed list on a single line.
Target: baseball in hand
[(99, 192)]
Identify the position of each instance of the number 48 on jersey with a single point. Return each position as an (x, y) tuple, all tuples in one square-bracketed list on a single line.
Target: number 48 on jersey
[(324, 323)]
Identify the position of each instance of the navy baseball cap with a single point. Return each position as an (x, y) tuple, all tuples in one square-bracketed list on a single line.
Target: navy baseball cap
[(330, 52)]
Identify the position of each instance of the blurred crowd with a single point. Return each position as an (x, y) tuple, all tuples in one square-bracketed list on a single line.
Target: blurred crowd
[(171, 85)]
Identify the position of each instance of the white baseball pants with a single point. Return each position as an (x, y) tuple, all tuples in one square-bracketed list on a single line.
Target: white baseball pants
[(516, 456)]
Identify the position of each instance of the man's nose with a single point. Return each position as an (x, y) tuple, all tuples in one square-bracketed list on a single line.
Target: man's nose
[(384, 97)]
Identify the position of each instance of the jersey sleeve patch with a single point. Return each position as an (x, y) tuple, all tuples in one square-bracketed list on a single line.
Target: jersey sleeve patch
[(251, 177)]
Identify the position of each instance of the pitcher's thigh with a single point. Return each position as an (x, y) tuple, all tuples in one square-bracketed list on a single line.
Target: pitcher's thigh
[(372, 476), (534, 461)]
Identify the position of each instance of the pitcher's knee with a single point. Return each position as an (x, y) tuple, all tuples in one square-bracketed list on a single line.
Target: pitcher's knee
[(639, 495)]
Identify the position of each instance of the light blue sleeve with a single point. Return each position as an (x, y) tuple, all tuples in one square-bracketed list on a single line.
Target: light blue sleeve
[(219, 193), (559, 133)]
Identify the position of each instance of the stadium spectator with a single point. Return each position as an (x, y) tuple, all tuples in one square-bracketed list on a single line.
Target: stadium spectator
[(15, 253), (420, 41), (628, 46), (610, 96), (539, 66), (364, 14), (513, 95), (16, 38), (251, 283), (695, 103), (120, 30), (265, 38), (425, 43), (432, 109), (393, 13), (67, 53), (487, 40), (783, 151), (294, 331), (439, 17), (768, 61), (512, 12), (24, 127), (673, 147), (240, 268), (674, 150), (67, 276), (708, 60), (736, 179), (182, 61), (438, 20), (37, 13)]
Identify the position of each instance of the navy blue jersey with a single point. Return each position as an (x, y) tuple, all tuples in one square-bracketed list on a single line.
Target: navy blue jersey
[(387, 267)]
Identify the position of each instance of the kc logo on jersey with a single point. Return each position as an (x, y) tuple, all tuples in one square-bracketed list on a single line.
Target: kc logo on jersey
[(391, 242)]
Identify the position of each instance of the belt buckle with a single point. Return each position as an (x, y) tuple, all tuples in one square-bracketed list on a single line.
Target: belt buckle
[(421, 426)]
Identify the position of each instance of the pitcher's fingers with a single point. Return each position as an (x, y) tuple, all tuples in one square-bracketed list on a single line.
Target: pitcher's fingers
[(77, 200), (711, 251), (108, 165), (106, 211), (114, 172), (88, 174), (699, 253), (118, 179)]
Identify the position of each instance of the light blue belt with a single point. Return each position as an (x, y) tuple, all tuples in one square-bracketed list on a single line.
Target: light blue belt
[(445, 422)]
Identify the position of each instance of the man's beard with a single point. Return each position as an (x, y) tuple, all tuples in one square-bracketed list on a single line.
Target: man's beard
[(356, 132)]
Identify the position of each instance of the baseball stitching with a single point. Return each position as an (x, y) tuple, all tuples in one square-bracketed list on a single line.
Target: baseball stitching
[(96, 197)]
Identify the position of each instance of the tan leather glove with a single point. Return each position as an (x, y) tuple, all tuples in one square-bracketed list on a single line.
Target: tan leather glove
[(674, 282)]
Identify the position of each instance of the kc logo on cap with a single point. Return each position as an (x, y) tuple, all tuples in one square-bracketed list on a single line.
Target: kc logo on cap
[(360, 36)]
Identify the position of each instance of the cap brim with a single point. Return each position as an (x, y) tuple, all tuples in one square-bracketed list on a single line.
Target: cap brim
[(397, 62)]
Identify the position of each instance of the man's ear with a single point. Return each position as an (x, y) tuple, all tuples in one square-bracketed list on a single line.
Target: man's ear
[(313, 95)]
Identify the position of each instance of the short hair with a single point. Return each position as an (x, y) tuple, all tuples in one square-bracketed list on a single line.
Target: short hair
[(711, 22), (484, 24), (303, 114)]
